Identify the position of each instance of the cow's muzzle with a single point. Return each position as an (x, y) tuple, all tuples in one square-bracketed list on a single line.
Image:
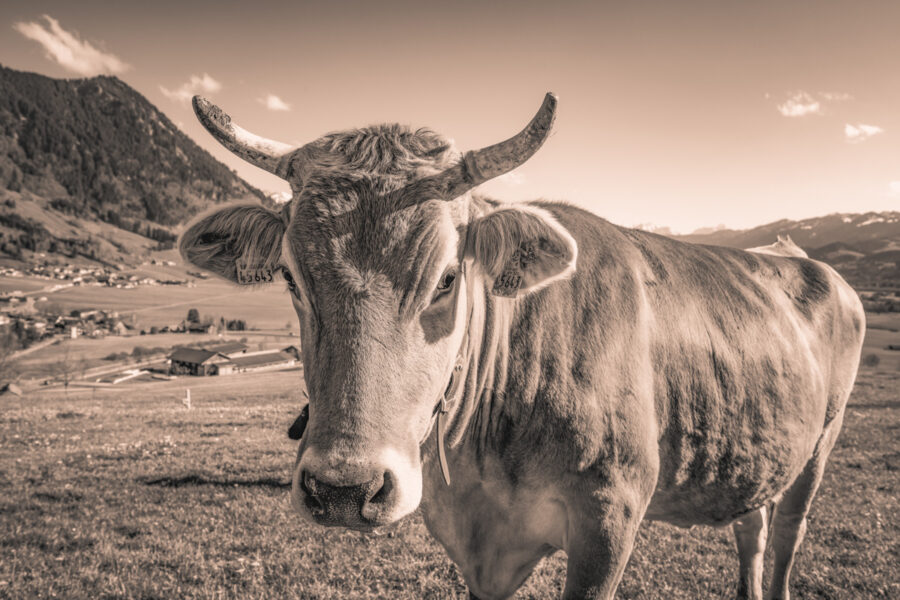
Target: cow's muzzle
[(360, 506)]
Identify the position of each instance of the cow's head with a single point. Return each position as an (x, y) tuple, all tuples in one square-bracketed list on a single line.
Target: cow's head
[(381, 248)]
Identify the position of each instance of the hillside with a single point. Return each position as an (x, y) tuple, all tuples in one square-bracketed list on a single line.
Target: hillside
[(863, 247), (85, 164)]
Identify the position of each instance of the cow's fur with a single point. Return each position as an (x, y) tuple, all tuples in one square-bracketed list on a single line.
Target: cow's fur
[(641, 377)]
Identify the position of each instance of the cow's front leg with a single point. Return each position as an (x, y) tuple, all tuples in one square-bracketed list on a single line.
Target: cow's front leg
[(600, 541)]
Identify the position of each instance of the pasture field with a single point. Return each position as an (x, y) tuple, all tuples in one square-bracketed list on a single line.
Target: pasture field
[(85, 352), (883, 329), (24, 284), (127, 494), (265, 307)]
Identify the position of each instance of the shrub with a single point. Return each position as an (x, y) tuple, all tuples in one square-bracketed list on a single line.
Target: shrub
[(236, 325), (871, 360)]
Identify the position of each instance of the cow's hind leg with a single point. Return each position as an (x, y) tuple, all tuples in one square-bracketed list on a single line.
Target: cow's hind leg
[(750, 533), (790, 515)]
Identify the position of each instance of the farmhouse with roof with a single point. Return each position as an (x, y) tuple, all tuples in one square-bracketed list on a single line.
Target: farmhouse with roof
[(225, 358)]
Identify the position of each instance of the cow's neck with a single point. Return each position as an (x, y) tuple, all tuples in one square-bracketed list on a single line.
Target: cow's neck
[(484, 373)]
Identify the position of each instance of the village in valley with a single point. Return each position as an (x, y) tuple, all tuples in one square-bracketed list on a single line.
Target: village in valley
[(67, 326), (70, 274)]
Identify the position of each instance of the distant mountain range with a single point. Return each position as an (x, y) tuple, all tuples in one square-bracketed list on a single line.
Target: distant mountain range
[(863, 247), (90, 170), (85, 164)]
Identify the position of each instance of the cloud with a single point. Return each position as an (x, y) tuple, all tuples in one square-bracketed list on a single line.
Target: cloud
[(800, 104), (835, 96), (273, 102), (894, 186), (860, 132), (196, 85), (70, 52)]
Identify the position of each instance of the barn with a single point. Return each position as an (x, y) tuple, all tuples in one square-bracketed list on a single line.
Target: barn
[(228, 348), (196, 361), (262, 361), (225, 358)]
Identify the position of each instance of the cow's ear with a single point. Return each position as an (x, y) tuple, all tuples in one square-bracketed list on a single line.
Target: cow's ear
[(241, 243), (521, 249)]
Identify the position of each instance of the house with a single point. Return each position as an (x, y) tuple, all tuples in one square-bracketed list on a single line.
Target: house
[(229, 349), (262, 361), (213, 360), (196, 361), (200, 328)]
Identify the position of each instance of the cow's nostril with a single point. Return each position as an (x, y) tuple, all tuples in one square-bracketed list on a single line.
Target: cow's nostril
[(314, 506), (308, 483), (310, 489), (383, 494)]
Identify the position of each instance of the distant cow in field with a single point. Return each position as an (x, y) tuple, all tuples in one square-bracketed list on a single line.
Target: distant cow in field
[(534, 376)]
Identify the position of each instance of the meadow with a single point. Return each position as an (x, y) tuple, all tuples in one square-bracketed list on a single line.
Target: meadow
[(125, 493)]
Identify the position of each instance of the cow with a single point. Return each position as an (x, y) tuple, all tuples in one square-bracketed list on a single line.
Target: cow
[(532, 376), (783, 246)]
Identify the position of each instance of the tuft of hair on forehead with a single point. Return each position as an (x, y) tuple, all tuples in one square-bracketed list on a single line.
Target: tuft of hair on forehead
[(247, 233), (390, 149)]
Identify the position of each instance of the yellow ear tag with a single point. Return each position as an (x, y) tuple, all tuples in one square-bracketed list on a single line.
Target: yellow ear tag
[(253, 274)]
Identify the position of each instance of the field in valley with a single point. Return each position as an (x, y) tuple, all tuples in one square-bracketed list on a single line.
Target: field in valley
[(121, 492), (124, 493)]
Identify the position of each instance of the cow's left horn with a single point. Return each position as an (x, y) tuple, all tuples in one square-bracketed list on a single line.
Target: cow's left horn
[(479, 166), (264, 153)]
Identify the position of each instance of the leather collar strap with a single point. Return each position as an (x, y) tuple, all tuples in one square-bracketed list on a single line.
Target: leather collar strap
[(442, 408)]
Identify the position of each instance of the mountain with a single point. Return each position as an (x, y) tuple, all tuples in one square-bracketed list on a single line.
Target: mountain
[(863, 247), (90, 168)]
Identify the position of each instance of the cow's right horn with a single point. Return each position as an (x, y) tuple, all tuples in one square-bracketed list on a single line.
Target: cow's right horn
[(264, 153)]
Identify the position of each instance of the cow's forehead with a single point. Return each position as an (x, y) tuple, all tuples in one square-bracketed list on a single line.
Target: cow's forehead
[(366, 174), (358, 210), (361, 228)]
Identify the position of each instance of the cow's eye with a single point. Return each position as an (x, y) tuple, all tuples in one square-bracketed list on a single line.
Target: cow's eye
[(445, 284)]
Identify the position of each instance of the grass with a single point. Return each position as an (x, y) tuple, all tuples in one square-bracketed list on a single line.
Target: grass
[(883, 329), (129, 495)]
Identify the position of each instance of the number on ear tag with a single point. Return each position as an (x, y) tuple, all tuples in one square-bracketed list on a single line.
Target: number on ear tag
[(253, 274)]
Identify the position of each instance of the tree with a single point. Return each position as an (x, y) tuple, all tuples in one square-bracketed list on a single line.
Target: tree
[(193, 316), (8, 369), (64, 369)]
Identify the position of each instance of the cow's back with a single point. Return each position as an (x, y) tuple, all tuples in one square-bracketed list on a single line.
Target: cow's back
[(733, 361), (752, 357)]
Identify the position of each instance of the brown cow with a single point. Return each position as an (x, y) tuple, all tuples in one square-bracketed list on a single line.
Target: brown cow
[(583, 376)]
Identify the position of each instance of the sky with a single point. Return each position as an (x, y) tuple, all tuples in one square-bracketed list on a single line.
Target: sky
[(681, 114)]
